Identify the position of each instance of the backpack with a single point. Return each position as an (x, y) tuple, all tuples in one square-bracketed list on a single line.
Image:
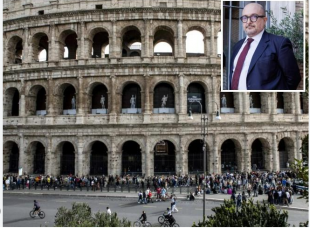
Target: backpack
[(239, 198)]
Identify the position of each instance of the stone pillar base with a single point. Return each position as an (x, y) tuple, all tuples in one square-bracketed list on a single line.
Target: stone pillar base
[(182, 118), (180, 60), (49, 120), (112, 118), (146, 118), (79, 119)]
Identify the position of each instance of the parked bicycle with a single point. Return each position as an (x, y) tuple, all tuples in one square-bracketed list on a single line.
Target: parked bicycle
[(138, 223), (34, 213)]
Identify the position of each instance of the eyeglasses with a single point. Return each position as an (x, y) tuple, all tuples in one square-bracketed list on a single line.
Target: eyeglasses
[(253, 18)]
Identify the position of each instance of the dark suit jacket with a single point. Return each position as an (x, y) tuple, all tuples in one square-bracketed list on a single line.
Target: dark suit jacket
[(273, 65)]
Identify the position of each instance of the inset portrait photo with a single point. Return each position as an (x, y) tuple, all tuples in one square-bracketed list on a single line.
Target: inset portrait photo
[(263, 46)]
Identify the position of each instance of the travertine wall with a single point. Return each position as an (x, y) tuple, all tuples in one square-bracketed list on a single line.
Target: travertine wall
[(114, 129)]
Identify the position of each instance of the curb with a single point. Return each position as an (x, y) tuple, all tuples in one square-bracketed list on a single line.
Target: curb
[(119, 196)]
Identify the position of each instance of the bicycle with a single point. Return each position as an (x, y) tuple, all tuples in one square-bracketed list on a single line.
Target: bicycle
[(138, 223), (167, 224), (40, 213)]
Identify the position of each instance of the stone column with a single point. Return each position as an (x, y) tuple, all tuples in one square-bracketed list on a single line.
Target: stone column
[(21, 161), (182, 168), (112, 162), (81, 41), (181, 53), (49, 155), (50, 101), (298, 152), (212, 44), (113, 44), (147, 105), (151, 46), (147, 161), (175, 47), (297, 110), (52, 47), (246, 154), (79, 169), (112, 114), (80, 106), (205, 40), (181, 94), (216, 105), (145, 38), (216, 160), (275, 152), (27, 49), (22, 103)]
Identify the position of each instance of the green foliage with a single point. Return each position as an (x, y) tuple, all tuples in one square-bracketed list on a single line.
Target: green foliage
[(290, 27), (249, 215), (80, 216), (301, 169)]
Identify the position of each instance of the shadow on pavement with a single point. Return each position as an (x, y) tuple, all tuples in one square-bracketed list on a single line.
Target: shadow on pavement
[(18, 220)]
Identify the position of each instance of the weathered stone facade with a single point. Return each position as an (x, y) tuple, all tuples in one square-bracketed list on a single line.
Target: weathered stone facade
[(26, 129)]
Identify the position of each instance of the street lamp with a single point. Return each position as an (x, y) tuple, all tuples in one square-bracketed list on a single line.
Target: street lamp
[(204, 119)]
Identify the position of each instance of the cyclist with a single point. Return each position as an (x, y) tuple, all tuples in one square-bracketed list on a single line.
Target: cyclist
[(37, 207), (143, 216), (169, 217)]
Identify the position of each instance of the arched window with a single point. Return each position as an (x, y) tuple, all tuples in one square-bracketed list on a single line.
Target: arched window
[(131, 45), (257, 156), (40, 47), (163, 42), (41, 102), (131, 99), (283, 154), (14, 158), (100, 100), (100, 42), (39, 159), (131, 158), (194, 43), (15, 104), (196, 91), (163, 99), (67, 159), (164, 158), (99, 159), (195, 157), (228, 156), (255, 103), (69, 101), (280, 102), (227, 102), (15, 50)]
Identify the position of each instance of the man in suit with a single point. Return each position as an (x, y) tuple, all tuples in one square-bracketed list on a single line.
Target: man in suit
[(262, 61)]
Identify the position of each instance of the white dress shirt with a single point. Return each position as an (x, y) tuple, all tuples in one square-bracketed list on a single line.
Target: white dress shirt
[(243, 75)]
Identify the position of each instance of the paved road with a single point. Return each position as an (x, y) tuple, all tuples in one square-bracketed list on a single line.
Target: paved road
[(16, 209)]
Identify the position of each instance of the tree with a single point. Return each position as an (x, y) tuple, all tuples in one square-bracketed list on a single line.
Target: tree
[(290, 27), (80, 216), (249, 215)]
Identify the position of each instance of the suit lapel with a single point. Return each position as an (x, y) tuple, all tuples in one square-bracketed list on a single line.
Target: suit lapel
[(263, 44)]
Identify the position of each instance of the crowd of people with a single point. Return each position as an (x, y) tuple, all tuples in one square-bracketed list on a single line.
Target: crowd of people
[(280, 186)]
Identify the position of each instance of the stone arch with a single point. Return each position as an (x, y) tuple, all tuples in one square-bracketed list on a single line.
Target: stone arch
[(230, 155), (90, 95), (11, 102), (70, 164), (196, 38), (14, 50), (32, 102), (194, 149), (35, 157), (168, 81), (68, 38), (96, 163), (165, 163), (260, 155), (195, 107), (164, 33), (98, 40), (131, 157), (161, 90), (121, 143), (155, 140), (122, 85), (286, 154), (59, 95), (129, 35), (39, 42), (11, 155)]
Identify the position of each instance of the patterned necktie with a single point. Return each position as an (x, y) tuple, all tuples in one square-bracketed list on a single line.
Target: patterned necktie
[(237, 72)]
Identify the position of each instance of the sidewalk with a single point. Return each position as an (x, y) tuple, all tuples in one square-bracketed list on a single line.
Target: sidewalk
[(298, 204)]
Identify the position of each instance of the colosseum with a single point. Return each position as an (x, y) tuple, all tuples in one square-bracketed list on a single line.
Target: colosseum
[(87, 92)]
